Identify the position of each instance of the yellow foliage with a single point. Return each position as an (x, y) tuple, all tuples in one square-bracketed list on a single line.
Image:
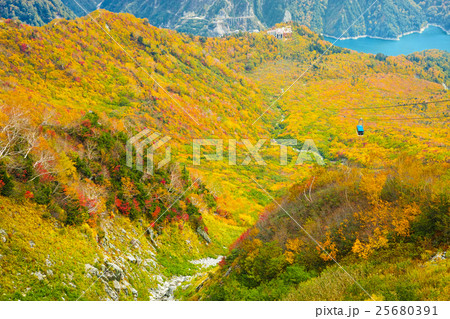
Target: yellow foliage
[(330, 247), (66, 169), (364, 250), (375, 297), (292, 248), (290, 256), (372, 184), (129, 189), (404, 218), (247, 220)]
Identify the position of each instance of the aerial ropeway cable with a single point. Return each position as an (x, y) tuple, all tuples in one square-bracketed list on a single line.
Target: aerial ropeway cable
[(360, 126), (393, 106)]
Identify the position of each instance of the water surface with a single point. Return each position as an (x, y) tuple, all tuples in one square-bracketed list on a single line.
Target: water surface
[(431, 38)]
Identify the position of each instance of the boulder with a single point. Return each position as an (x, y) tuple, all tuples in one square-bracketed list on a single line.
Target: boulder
[(116, 285), (48, 262), (131, 259), (113, 272), (135, 243), (91, 271), (203, 234), (134, 292), (40, 276), (3, 235), (112, 293), (152, 235)]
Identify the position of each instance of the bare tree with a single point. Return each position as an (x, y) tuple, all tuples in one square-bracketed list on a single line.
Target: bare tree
[(91, 150), (17, 136), (43, 164)]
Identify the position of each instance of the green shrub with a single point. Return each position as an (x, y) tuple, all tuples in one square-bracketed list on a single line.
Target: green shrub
[(434, 222), (82, 167), (295, 274), (75, 213), (6, 183), (42, 194)]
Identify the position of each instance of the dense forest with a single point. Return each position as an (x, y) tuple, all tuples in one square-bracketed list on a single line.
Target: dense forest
[(35, 12)]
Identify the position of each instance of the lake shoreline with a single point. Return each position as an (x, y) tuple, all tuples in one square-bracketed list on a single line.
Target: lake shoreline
[(429, 38), (389, 39)]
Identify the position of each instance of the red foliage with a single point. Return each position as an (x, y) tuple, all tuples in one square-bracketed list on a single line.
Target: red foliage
[(222, 262), (136, 205), (263, 217), (29, 195), (156, 212), (45, 175), (2, 183), (23, 47), (86, 123), (21, 175), (86, 202), (148, 203), (122, 206), (240, 239)]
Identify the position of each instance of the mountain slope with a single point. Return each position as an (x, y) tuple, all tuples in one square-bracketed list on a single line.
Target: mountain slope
[(34, 12), (70, 97), (386, 18), (436, 11), (375, 222), (79, 7)]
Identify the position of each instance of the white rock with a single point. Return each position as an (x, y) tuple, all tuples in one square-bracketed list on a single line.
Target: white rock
[(134, 292), (40, 276), (3, 235), (48, 262), (111, 292), (135, 243), (131, 259), (91, 271), (207, 262), (116, 285)]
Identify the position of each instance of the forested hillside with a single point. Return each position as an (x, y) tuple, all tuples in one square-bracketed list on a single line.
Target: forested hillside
[(384, 18), (382, 224), (35, 12), (72, 212), (436, 11)]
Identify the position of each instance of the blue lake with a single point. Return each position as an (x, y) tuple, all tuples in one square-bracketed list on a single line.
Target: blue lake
[(431, 38)]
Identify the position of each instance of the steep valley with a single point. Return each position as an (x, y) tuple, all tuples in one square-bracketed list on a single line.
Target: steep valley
[(78, 223)]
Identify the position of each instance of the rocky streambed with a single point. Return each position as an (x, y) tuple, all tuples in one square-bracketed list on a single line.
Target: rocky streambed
[(166, 288)]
